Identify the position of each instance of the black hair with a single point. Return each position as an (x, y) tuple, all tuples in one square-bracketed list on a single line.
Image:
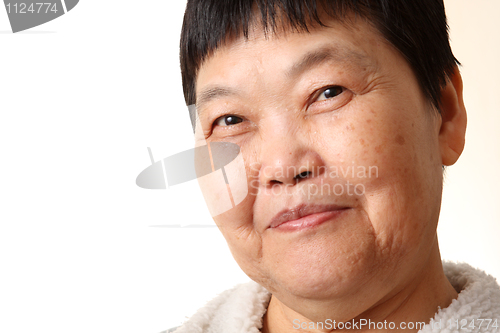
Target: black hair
[(417, 28)]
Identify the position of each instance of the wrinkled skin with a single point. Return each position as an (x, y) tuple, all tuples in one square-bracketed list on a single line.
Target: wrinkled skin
[(382, 249)]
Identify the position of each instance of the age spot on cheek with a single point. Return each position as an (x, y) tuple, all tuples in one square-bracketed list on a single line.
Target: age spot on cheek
[(400, 140)]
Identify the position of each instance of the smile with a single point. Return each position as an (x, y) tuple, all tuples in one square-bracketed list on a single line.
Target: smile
[(305, 216)]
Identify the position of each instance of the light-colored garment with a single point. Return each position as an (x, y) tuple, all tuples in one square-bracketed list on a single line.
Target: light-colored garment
[(240, 309)]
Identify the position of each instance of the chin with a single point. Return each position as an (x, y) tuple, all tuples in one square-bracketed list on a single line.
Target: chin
[(325, 272)]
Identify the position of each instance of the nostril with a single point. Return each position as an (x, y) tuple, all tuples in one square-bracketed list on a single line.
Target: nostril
[(302, 175)]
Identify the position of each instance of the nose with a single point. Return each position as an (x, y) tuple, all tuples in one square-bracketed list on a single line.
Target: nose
[(287, 159)]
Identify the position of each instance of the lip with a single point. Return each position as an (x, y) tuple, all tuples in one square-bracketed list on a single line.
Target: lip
[(303, 216)]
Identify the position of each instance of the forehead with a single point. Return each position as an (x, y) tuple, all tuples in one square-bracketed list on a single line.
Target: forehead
[(287, 55)]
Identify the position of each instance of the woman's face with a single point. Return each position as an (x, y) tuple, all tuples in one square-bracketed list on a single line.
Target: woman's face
[(334, 128)]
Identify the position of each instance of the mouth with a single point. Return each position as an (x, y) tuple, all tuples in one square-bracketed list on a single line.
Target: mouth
[(305, 216)]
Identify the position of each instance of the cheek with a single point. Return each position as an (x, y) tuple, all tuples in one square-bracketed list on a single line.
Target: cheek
[(221, 174), (236, 224), (386, 157)]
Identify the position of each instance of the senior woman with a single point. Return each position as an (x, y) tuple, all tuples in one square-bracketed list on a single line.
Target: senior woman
[(345, 114)]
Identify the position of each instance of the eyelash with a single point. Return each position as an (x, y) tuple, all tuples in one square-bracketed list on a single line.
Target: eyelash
[(227, 116), (322, 91), (339, 89)]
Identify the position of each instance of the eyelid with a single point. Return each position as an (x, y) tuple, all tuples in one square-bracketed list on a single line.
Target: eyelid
[(319, 92), (227, 115), (316, 106)]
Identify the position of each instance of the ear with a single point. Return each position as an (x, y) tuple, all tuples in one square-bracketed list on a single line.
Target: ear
[(453, 120)]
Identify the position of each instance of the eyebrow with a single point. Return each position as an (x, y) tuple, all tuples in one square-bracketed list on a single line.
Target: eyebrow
[(309, 60), (213, 93), (326, 54)]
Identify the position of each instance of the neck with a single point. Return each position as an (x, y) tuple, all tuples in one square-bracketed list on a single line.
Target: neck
[(416, 303)]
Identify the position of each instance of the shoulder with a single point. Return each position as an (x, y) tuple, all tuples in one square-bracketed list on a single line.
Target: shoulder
[(478, 300), (241, 307)]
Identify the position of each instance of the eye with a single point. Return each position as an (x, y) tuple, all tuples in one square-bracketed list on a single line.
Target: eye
[(329, 93), (227, 120)]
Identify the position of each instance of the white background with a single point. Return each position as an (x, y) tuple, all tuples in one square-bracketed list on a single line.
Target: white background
[(81, 99)]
